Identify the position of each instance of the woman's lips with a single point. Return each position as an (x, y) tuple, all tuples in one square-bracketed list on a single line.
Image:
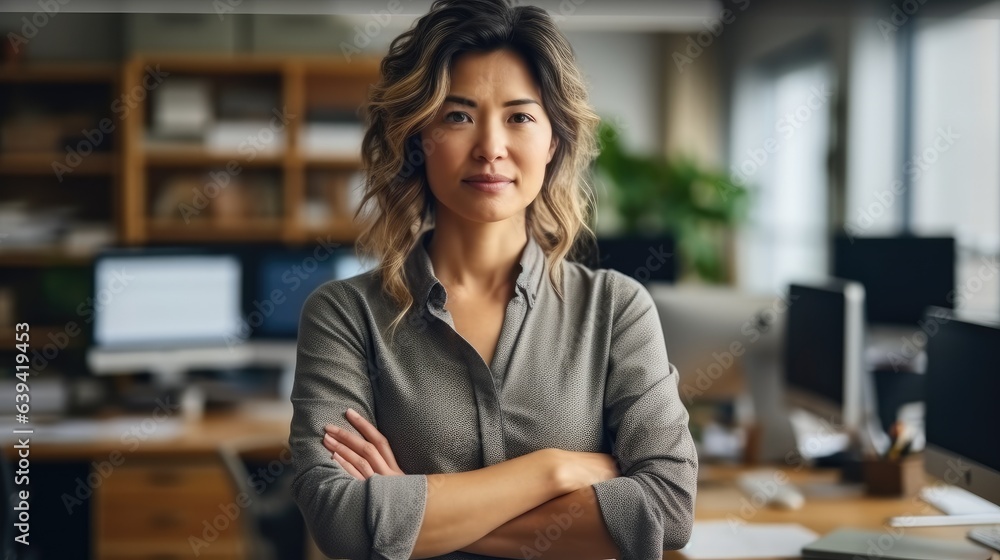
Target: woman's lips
[(488, 186)]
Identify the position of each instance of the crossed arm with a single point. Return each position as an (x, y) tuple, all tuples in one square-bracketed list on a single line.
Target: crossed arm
[(537, 505)]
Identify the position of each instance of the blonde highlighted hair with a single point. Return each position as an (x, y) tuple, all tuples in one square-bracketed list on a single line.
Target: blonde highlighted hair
[(415, 78)]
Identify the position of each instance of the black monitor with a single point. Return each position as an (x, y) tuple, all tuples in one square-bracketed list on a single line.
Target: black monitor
[(645, 258), (902, 276), (824, 335), (280, 279), (963, 385)]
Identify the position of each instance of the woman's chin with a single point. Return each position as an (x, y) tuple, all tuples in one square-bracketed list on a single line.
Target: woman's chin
[(489, 213)]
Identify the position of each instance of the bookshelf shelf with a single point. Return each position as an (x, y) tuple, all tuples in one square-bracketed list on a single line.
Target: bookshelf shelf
[(261, 229), (299, 90), (42, 164), (199, 157)]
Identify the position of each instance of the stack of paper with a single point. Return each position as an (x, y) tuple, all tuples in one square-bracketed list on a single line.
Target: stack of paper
[(718, 540)]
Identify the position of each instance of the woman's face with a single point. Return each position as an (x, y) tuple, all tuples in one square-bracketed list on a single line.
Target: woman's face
[(488, 145)]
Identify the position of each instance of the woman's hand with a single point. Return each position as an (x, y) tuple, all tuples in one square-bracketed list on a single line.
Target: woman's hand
[(579, 469), (362, 457)]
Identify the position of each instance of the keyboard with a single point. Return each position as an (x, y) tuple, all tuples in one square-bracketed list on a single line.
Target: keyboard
[(988, 535)]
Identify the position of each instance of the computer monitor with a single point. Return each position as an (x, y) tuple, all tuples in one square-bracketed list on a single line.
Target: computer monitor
[(824, 340), (714, 332), (166, 311), (280, 281), (647, 259), (825, 374), (963, 384), (902, 276), (727, 343), (150, 300)]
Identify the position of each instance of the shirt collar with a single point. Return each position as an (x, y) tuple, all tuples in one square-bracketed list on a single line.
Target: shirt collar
[(426, 288)]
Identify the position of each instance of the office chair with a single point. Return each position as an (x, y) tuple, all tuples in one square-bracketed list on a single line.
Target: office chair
[(272, 522)]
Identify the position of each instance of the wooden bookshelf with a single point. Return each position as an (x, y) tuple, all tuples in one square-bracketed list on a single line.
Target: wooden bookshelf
[(64, 99), (301, 83)]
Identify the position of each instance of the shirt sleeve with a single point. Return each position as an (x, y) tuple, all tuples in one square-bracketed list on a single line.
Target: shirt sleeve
[(378, 518), (650, 508)]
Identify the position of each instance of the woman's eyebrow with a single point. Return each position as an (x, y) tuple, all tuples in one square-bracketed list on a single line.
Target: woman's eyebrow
[(470, 103)]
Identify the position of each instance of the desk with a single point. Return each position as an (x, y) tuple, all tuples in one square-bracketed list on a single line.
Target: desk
[(166, 435), (719, 498), (149, 494)]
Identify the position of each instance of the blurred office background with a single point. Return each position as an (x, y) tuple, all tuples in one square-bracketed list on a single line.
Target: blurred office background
[(176, 177)]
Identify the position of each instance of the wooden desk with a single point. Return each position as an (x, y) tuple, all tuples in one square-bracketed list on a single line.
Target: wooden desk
[(150, 493), (720, 499), (267, 422)]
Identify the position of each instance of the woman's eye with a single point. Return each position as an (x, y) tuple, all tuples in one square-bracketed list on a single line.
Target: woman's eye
[(459, 117)]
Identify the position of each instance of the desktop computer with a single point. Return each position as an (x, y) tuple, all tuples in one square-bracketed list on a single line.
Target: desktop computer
[(645, 258), (824, 370), (963, 383), (901, 275), (167, 311), (715, 336), (962, 386), (280, 279)]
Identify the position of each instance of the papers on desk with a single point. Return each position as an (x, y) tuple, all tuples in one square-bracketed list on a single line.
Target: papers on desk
[(718, 540)]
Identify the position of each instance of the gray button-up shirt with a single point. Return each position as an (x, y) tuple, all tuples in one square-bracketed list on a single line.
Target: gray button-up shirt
[(586, 373)]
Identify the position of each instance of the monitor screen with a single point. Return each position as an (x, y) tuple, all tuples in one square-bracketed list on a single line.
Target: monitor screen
[(902, 276), (814, 342), (647, 259), (147, 300), (284, 279), (962, 386)]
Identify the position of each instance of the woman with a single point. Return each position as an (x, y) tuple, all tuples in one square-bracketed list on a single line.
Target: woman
[(477, 395)]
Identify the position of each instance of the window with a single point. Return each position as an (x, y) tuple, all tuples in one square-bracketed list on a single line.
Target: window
[(955, 161), (779, 150)]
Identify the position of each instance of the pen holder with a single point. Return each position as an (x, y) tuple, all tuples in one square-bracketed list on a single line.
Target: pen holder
[(900, 477)]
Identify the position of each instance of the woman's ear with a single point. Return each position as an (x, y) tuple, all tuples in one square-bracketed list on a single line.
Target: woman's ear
[(552, 148)]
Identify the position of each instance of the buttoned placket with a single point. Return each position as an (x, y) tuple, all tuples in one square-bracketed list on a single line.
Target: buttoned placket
[(487, 380)]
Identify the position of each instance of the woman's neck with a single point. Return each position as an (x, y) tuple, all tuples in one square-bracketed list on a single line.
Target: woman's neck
[(479, 258)]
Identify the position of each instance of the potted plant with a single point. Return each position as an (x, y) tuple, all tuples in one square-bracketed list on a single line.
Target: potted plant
[(655, 196)]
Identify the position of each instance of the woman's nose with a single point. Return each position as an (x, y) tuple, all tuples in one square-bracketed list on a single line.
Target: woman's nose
[(491, 143)]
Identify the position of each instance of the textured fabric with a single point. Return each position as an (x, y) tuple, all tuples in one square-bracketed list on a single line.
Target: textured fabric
[(587, 373)]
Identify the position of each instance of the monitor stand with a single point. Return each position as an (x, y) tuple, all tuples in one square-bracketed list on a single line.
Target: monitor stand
[(169, 367), (171, 391)]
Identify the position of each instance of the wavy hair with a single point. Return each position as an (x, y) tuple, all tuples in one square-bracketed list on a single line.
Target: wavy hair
[(415, 78)]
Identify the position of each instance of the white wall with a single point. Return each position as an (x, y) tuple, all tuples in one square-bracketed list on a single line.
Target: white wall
[(624, 74)]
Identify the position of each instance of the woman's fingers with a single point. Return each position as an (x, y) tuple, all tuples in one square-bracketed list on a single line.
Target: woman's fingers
[(351, 469), (372, 434), (352, 446), (362, 464)]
